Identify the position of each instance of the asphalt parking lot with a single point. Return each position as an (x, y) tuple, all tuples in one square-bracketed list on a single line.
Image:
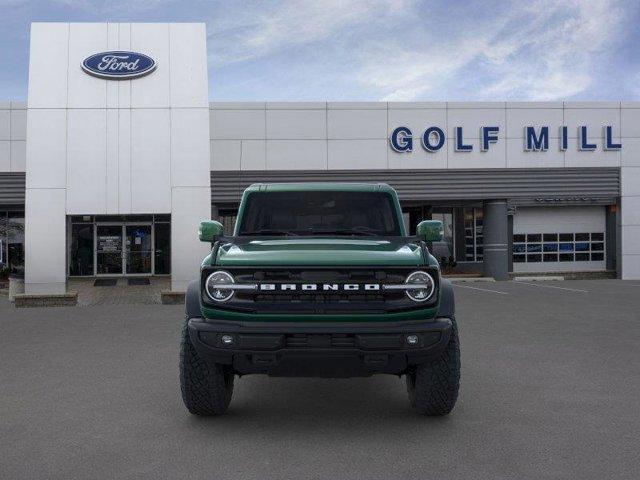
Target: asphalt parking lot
[(550, 389)]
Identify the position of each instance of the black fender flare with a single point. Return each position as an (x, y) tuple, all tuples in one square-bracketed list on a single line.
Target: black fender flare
[(192, 300), (447, 307)]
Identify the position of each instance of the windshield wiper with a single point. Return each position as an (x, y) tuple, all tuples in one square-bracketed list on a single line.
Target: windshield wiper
[(270, 231)]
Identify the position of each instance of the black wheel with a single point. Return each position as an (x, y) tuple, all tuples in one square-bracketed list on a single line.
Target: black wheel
[(433, 386), (206, 388)]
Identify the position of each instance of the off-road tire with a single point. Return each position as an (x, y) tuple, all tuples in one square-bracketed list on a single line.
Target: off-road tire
[(433, 386), (206, 388)]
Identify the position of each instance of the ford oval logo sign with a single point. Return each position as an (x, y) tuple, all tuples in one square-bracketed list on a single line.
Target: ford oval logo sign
[(118, 65)]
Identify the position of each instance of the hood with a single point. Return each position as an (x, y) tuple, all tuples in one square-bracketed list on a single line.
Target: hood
[(397, 251)]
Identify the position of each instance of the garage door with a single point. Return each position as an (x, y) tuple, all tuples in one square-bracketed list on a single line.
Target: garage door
[(559, 239)]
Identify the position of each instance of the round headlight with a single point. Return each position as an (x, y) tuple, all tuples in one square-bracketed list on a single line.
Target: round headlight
[(214, 283), (425, 286)]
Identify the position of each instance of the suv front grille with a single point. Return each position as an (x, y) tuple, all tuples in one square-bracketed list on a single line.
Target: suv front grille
[(321, 298), (321, 301)]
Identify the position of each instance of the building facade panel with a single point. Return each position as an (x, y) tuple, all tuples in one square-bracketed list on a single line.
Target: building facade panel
[(296, 105), (630, 154), (47, 148), (112, 162), (494, 157), (364, 124), (151, 160), (630, 213), (517, 157), (18, 156), (86, 180), (417, 119), (296, 124), (124, 43), (631, 239), (630, 182), (18, 124), (472, 119), (45, 242), (253, 155), (82, 90), (113, 43), (593, 116), (5, 123), (48, 65), (13, 129), (189, 145), (630, 122), (124, 161), (356, 154), (518, 118), (152, 91), (5, 156), (630, 266), (574, 157), (296, 154), (190, 205), (225, 154), (417, 159), (238, 124), (188, 54)]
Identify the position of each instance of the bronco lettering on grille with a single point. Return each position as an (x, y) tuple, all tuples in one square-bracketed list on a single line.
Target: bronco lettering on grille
[(270, 287)]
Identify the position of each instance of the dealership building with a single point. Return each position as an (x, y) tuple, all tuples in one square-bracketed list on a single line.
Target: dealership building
[(117, 154)]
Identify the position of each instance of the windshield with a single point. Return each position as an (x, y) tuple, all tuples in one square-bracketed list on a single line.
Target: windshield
[(319, 213)]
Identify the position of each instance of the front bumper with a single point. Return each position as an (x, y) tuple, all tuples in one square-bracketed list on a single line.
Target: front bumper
[(319, 349)]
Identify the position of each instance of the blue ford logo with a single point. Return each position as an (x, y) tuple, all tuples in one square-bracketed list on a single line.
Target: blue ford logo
[(118, 65)]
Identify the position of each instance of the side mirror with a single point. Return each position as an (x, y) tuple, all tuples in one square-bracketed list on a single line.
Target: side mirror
[(430, 230), (209, 230)]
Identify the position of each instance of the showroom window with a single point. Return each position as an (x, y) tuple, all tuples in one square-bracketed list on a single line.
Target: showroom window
[(11, 242), (228, 220), (120, 245), (473, 239), (446, 248), (558, 247)]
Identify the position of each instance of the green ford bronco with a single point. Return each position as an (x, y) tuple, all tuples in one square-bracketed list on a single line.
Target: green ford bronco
[(320, 280)]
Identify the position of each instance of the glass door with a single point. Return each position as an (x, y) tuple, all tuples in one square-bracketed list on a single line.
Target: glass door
[(162, 241), (109, 250), (139, 249)]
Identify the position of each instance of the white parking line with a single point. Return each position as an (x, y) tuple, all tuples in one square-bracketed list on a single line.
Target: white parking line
[(481, 289), (551, 286)]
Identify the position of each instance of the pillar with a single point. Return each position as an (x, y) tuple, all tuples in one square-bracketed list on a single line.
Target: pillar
[(495, 238)]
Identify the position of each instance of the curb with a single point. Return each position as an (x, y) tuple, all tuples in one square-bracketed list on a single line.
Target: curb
[(471, 279), (69, 299), (538, 278)]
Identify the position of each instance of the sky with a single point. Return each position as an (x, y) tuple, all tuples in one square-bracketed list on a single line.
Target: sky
[(377, 50)]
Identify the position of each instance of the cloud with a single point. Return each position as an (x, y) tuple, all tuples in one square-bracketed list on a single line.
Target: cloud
[(408, 50), (104, 7), (260, 29), (564, 46), (546, 50), (388, 49)]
